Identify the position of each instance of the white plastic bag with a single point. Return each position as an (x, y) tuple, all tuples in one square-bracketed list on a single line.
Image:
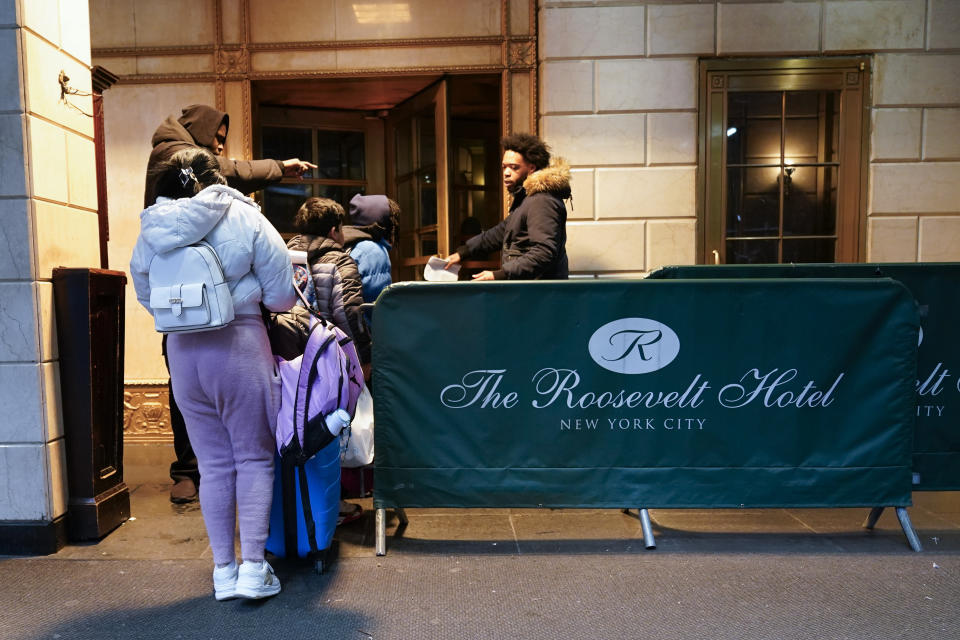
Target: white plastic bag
[(358, 448)]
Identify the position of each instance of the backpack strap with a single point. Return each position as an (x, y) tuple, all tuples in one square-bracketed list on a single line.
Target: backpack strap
[(307, 510), (289, 493), (305, 383)]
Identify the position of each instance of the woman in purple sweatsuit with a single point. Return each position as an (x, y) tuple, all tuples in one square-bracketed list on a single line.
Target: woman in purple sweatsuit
[(223, 379)]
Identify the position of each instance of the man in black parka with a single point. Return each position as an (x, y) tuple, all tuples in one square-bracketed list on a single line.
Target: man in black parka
[(533, 237), (200, 125)]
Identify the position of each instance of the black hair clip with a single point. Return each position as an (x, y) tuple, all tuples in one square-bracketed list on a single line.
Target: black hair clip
[(186, 175)]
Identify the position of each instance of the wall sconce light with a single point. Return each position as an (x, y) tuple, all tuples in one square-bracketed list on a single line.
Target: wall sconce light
[(787, 180), (66, 91)]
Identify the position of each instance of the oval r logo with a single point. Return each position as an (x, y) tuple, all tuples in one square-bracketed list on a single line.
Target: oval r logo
[(634, 345)]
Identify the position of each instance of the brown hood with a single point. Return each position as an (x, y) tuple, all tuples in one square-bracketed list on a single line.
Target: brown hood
[(198, 125), (554, 179)]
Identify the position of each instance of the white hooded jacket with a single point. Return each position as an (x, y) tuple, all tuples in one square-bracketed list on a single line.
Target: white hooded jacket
[(255, 261)]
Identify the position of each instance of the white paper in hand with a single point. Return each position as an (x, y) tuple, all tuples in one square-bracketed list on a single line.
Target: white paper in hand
[(434, 271)]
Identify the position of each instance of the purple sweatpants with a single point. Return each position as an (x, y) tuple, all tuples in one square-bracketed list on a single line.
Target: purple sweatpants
[(222, 380)]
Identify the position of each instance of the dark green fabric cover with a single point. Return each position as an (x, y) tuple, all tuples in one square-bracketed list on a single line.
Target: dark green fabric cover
[(850, 343), (936, 443)]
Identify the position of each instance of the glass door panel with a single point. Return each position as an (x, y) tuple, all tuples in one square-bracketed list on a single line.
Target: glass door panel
[(782, 158), (780, 175), (417, 151), (333, 141)]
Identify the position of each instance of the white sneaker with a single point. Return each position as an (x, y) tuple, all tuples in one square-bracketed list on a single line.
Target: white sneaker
[(225, 581), (257, 580)]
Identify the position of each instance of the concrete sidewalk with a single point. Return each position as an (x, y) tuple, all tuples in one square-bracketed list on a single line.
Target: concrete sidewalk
[(510, 573)]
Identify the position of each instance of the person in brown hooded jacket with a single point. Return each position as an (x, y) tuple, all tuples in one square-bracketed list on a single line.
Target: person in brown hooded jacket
[(200, 125)]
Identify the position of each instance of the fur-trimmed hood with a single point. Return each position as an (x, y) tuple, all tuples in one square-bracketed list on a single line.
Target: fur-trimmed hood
[(555, 179)]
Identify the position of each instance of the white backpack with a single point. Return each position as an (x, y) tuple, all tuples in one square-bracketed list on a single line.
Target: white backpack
[(188, 292)]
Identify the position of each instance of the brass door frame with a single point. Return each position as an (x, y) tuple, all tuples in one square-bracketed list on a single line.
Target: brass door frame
[(849, 75), (434, 96)]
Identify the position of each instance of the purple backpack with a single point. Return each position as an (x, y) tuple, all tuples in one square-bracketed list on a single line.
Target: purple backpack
[(314, 385)]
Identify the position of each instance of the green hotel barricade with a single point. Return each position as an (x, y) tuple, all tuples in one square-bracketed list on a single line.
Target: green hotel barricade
[(936, 441), (646, 393)]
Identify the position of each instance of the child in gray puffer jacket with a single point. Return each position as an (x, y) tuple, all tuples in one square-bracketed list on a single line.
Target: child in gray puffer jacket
[(336, 280)]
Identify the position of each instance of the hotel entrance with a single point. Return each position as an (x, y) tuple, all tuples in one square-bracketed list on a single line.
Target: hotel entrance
[(429, 142)]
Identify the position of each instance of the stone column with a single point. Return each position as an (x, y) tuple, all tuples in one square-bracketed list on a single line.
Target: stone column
[(48, 205)]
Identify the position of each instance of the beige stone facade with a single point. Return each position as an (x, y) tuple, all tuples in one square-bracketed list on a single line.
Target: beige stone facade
[(48, 203), (614, 89), (622, 107), (612, 85)]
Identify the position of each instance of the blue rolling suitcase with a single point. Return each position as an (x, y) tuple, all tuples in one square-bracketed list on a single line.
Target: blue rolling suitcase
[(316, 517)]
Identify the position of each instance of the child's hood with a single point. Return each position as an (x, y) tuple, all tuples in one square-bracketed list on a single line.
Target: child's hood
[(169, 224)]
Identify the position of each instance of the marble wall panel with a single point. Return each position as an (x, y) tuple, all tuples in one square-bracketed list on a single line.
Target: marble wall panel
[(231, 21), (43, 18), (81, 172), (292, 21), (681, 29), (163, 65), (8, 13), (566, 86), (57, 464), (932, 187), (267, 61), (173, 22), (52, 407), (896, 134), (66, 237), (48, 160), (22, 403), (112, 24), (47, 321), (132, 113), (75, 29), (16, 240), (939, 239), (662, 192), (941, 134), (13, 169), (634, 85), (233, 97), (11, 90), (599, 246), (579, 32), (873, 25), (671, 138), (916, 79), (943, 24), (519, 18), (18, 323), (597, 139), (419, 57), (43, 63), (26, 492), (580, 206), (369, 20), (774, 28), (670, 242), (892, 239), (520, 111)]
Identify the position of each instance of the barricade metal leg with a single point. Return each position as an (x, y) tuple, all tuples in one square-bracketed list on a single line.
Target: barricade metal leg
[(872, 518), (647, 529), (908, 529), (381, 532)]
